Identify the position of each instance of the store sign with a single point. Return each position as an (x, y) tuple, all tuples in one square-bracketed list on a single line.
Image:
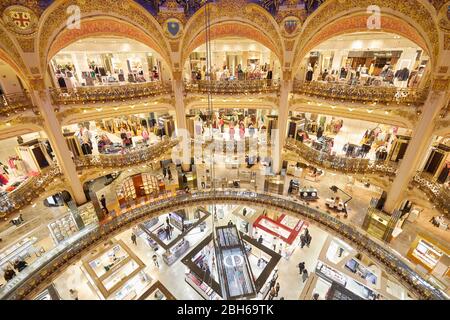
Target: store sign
[(233, 261)]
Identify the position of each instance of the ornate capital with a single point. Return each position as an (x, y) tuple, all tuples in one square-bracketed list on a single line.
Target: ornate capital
[(177, 75), (37, 84)]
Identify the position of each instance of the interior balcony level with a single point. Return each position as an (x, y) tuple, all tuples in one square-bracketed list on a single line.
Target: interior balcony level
[(15, 103), (113, 93), (387, 96)]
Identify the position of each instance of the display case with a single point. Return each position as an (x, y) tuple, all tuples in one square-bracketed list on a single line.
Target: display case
[(331, 274), (87, 213), (425, 252), (201, 287), (116, 272), (63, 228), (172, 254)]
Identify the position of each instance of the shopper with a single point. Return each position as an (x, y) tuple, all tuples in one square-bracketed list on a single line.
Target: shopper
[(308, 240), (304, 275), (169, 173), (73, 294), (168, 220), (260, 239), (103, 202), (277, 289), (301, 267), (168, 232), (230, 223), (164, 172), (155, 260), (315, 296), (272, 293), (274, 243), (133, 238), (302, 241)]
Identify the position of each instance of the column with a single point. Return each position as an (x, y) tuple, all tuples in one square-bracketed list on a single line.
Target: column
[(283, 112), (80, 63), (417, 148), (181, 126), (41, 98)]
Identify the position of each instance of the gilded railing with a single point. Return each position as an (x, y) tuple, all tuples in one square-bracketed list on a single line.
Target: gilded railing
[(128, 158), (15, 103), (358, 93), (339, 163), (29, 190), (54, 261), (233, 86), (439, 194), (106, 93)]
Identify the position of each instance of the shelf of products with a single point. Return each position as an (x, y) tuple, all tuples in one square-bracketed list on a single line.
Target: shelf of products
[(171, 255), (331, 274), (63, 228), (427, 253), (87, 213), (201, 287)]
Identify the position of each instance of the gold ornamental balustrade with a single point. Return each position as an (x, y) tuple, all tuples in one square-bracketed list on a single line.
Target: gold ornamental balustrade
[(15, 103), (339, 163), (389, 95), (438, 193), (127, 159), (31, 189), (109, 93), (52, 263), (232, 87)]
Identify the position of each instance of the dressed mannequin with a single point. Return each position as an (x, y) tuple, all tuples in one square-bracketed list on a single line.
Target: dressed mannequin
[(309, 72)]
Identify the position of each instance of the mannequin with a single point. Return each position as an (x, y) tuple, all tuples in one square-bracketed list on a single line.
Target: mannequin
[(309, 72)]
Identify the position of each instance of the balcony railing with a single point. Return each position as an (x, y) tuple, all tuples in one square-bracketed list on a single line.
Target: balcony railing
[(29, 190), (233, 87), (114, 93), (358, 93), (339, 163), (130, 158), (15, 103), (53, 261), (439, 194)]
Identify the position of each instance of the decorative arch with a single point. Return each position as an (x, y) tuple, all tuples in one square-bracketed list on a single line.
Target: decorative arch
[(103, 27), (237, 18), (414, 21), (127, 14), (10, 55)]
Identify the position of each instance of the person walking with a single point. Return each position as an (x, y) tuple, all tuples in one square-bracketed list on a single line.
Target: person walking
[(274, 244), (308, 240), (302, 241), (133, 238), (103, 202), (155, 260), (73, 294), (164, 170), (277, 289), (272, 293), (169, 173), (304, 275), (301, 267)]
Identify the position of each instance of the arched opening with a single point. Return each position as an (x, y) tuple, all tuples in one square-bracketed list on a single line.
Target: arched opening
[(382, 59), (107, 60)]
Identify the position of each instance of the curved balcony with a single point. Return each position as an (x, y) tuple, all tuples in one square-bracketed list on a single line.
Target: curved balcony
[(114, 93), (339, 163), (29, 190), (362, 94), (439, 194), (53, 261), (129, 158), (232, 87), (15, 103)]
